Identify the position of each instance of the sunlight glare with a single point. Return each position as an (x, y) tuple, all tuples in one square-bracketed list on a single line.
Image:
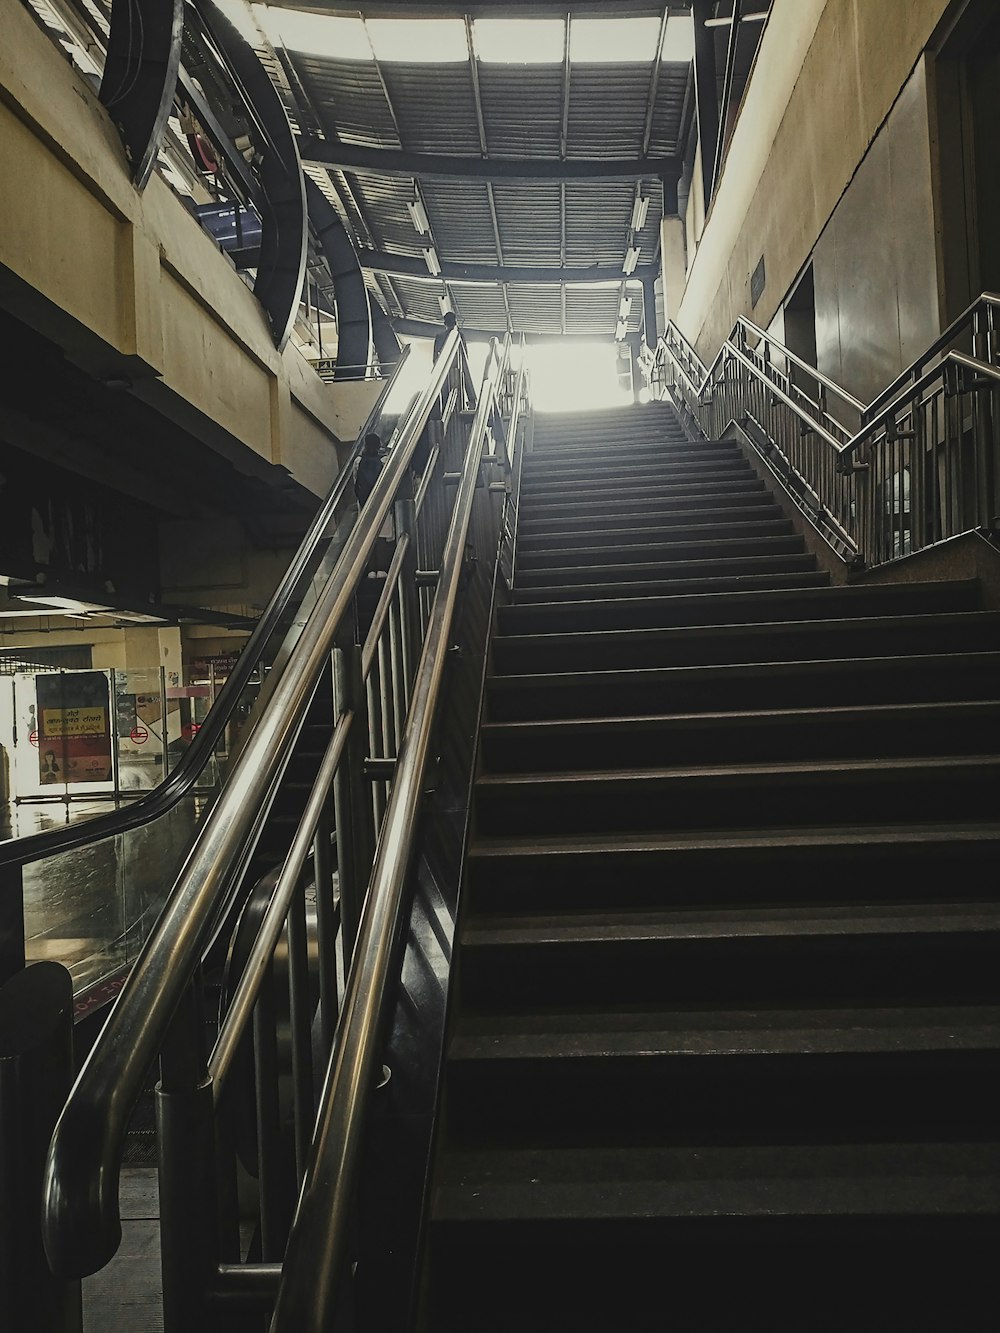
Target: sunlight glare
[(568, 375)]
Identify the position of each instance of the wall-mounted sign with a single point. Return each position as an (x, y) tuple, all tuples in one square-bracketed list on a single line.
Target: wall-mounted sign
[(74, 731)]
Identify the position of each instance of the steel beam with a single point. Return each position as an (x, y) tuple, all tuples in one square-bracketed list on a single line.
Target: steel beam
[(354, 320), (706, 94), (282, 264), (140, 76), (409, 267), (399, 162), (732, 47)]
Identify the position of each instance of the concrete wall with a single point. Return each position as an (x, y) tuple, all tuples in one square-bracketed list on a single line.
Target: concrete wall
[(875, 265), (130, 285), (828, 74)]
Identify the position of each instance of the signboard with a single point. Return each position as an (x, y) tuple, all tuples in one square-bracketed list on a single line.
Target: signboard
[(74, 727)]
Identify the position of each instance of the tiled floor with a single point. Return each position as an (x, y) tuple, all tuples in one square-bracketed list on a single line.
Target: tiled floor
[(125, 1297)]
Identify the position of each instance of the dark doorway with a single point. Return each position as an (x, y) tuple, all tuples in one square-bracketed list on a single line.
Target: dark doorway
[(800, 329), (966, 77)]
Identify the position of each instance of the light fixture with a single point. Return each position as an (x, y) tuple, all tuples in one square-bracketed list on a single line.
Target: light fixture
[(631, 259), (432, 261), (620, 331), (445, 305), (639, 210), (624, 306), (419, 216)]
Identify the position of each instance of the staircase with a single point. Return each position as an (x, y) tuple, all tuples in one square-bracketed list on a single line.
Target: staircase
[(723, 1045)]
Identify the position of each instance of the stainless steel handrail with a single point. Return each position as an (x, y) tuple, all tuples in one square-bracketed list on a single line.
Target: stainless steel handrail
[(957, 326), (81, 1223), (878, 422), (800, 412), (811, 371), (176, 785), (314, 1259)]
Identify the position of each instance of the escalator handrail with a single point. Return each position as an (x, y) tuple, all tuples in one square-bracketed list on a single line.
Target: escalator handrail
[(177, 784), (81, 1223), (314, 1259)]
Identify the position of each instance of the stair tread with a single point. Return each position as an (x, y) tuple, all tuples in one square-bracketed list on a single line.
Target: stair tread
[(833, 715), (763, 544), (847, 836), (707, 585), (676, 532), (714, 1034), (742, 629), (840, 920), (940, 765), (628, 676), (753, 597), (772, 1180)]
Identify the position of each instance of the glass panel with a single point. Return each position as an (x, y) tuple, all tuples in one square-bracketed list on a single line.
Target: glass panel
[(91, 908)]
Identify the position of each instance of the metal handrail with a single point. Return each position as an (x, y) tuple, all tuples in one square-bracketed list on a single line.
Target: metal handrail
[(796, 360), (316, 1249), (81, 1223), (805, 417), (177, 784), (957, 326), (871, 423), (878, 422)]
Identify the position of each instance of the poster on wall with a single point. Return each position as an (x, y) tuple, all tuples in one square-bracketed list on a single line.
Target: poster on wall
[(74, 727)]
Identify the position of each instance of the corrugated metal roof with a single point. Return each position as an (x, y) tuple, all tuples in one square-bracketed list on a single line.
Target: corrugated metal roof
[(527, 112)]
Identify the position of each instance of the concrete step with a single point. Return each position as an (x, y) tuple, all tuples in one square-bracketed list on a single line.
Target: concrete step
[(777, 795), (862, 732), (565, 615), (923, 678), (775, 641)]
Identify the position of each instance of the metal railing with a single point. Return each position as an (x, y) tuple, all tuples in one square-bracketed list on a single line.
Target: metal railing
[(917, 466), (248, 1109)]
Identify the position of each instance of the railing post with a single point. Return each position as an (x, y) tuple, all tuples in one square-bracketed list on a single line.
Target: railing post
[(189, 1242), (36, 1072), (406, 526), (352, 796), (11, 921)]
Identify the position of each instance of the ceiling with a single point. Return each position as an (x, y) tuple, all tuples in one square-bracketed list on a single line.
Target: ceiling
[(527, 173)]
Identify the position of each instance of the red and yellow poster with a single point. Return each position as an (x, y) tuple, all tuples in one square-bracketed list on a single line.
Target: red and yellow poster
[(74, 727)]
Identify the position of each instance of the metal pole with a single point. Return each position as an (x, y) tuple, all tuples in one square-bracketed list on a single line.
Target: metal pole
[(36, 1072), (11, 921), (189, 1244), (326, 931)]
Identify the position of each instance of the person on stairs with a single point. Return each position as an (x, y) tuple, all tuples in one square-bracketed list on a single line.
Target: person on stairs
[(367, 470)]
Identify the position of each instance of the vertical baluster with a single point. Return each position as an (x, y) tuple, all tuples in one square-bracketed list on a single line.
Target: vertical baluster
[(947, 465), (408, 593), (186, 1143), (326, 929), (376, 736), (300, 1011), (273, 1223), (386, 709), (352, 796), (399, 682)]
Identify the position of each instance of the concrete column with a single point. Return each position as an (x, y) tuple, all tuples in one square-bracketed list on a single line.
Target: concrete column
[(673, 256)]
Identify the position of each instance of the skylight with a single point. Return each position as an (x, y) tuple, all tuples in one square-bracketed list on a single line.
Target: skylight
[(520, 41), (325, 35), (419, 41), (338, 37), (432, 41), (678, 42), (614, 41)]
